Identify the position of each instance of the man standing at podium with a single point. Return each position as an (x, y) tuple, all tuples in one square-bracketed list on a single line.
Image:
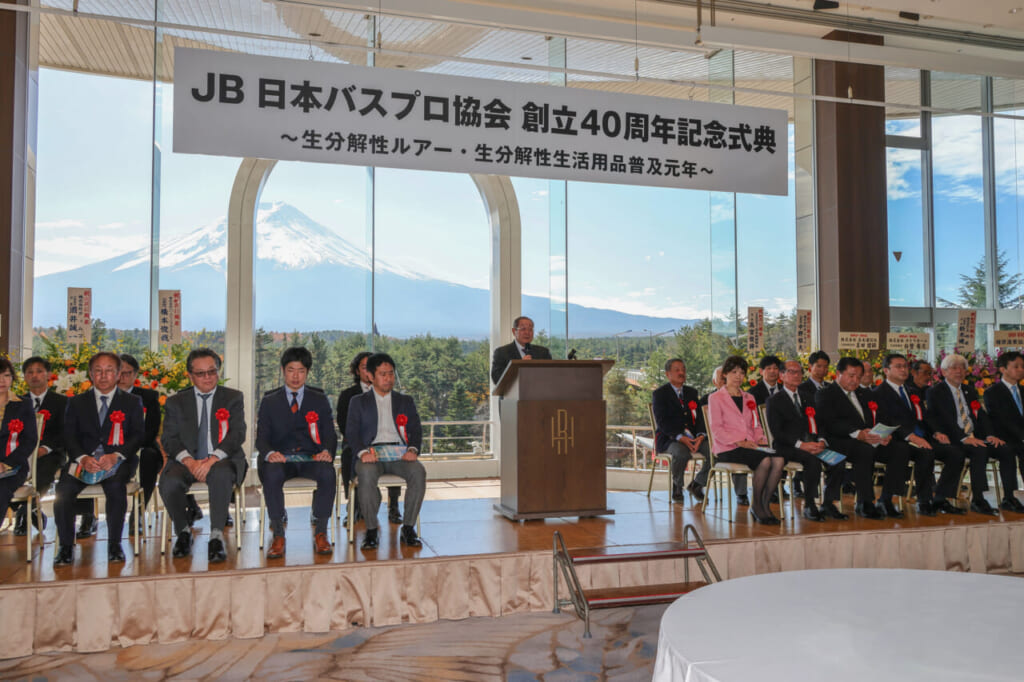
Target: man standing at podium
[(520, 349)]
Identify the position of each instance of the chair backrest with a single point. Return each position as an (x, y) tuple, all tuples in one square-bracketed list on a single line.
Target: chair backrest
[(711, 441), (654, 426), (35, 452), (762, 414)]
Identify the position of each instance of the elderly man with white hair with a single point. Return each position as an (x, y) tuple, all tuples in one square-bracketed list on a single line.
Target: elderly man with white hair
[(955, 416)]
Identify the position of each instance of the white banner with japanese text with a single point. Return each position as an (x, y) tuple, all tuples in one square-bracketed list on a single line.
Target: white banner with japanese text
[(79, 314), (858, 341), (170, 316), (242, 105), (755, 329), (1009, 338), (908, 341), (966, 323), (803, 331)]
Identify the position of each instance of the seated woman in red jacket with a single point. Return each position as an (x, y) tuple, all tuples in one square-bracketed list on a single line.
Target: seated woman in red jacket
[(737, 434)]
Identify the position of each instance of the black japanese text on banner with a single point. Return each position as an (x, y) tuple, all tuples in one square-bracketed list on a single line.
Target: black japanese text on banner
[(242, 105)]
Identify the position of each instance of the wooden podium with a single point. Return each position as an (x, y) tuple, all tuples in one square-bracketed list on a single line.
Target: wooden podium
[(553, 439)]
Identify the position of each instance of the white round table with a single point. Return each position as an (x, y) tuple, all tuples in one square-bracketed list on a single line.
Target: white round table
[(848, 624)]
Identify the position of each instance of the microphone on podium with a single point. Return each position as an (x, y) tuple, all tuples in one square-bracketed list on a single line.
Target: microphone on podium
[(572, 354)]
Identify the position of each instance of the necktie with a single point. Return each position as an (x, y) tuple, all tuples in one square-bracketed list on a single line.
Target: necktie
[(796, 401), (965, 419), (39, 402), (203, 447), (906, 400), (295, 402), (103, 409), (1016, 399)]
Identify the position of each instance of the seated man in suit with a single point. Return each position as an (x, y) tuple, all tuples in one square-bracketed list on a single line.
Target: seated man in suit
[(845, 419), (867, 376), (382, 417), (898, 407), (295, 437), (151, 460), (51, 456), (680, 422), (1005, 406), (920, 378), (204, 430), (795, 437), (103, 429), (817, 370), (955, 415), (519, 349), (769, 367)]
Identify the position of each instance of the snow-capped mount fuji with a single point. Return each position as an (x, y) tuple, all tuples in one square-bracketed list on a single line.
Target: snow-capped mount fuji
[(306, 278)]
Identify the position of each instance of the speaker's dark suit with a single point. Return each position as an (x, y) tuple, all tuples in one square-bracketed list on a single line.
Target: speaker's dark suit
[(49, 464), (19, 456), (674, 417), (942, 418), (509, 352), (150, 458), (83, 433), (361, 432), (181, 435), (281, 430), (895, 411), (837, 419), (1007, 421), (761, 393), (789, 426)]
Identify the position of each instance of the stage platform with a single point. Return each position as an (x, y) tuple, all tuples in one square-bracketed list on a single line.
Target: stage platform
[(473, 562)]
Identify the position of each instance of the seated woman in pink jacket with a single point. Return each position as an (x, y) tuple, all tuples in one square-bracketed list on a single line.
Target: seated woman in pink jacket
[(736, 434)]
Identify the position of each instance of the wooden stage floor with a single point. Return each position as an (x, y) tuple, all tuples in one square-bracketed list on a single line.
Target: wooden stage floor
[(450, 528)]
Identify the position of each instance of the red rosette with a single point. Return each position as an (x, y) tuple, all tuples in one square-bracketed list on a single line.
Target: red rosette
[(873, 406), (311, 419), (222, 416), (45, 414), (116, 432), (975, 406), (812, 424), (15, 427), (916, 402), (693, 410), (752, 406), (117, 417), (400, 421)]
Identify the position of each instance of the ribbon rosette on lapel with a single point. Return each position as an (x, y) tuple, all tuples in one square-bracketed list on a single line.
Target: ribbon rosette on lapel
[(752, 406), (873, 406), (812, 424), (400, 421), (116, 432), (45, 414), (311, 419), (693, 410), (14, 428), (916, 401), (975, 406), (222, 416)]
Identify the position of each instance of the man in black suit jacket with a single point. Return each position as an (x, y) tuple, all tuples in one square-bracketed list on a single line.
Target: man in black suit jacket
[(363, 382), (103, 428), (920, 378), (955, 415), (680, 421), (1005, 404), (792, 438), (519, 349), (898, 407), (817, 370), (846, 419), (295, 421), (150, 458), (769, 367), (51, 456), (204, 431), (380, 417)]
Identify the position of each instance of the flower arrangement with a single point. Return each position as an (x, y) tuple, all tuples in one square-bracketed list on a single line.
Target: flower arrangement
[(981, 370)]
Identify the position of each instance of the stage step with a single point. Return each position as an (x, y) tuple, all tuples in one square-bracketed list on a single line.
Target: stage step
[(584, 601), (639, 595)]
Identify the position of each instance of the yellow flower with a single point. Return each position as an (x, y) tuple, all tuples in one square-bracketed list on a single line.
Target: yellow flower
[(987, 381)]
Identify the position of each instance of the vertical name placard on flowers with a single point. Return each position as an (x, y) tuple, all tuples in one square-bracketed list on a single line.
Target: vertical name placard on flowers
[(79, 314), (966, 321), (170, 316), (803, 331), (755, 329)]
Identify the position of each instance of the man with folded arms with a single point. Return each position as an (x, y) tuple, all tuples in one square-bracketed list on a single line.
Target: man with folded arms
[(680, 421), (386, 419), (845, 419), (103, 429), (295, 438), (899, 407), (795, 436), (204, 430), (954, 415), (1005, 405)]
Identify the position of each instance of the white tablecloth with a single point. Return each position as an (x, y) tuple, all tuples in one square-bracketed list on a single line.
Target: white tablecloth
[(849, 624)]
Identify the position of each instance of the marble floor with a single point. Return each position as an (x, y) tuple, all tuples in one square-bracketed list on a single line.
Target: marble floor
[(522, 647)]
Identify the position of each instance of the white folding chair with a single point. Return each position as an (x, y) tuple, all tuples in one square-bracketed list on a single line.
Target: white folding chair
[(664, 458), (719, 470), (292, 485), (200, 488), (384, 480), (28, 493)]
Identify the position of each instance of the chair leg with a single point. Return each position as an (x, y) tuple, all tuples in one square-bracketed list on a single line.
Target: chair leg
[(163, 534), (782, 500), (262, 510), (728, 484), (350, 496), (138, 528), (650, 481), (239, 518), (996, 483), (28, 533)]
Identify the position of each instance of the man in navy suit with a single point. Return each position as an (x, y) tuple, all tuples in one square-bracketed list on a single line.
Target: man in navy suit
[(521, 348), (382, 416), (680, 421), (770, 367), (1005, 404), (103, 429), (295, 422)]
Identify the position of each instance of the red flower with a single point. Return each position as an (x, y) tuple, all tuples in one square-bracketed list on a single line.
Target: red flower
[(975, 405), (401, 420), (809, 411), (872, 405), (45, 414), (16, 426), (138, 383), (914, 398), (117, 417), (311, 417), (71, 370), (692, 405), (154, 383), (753, 382), (53, 376), (222, 414)]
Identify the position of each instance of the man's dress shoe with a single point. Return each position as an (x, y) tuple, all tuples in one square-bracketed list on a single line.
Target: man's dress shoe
[(276, 550), (322, 545), (696, 491), (982, 506), (925, 509), (64, 556), (1011, 503), (183, 545), (409, 537), (868, 510), (830, 511), (371, 539), (215, 553), (115, 554), (887, 508), (743, 500), (943, 506), (87, 528), (812, 513)]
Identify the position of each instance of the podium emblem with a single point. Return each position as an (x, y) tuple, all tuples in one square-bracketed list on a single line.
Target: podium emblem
[(563, 429)]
